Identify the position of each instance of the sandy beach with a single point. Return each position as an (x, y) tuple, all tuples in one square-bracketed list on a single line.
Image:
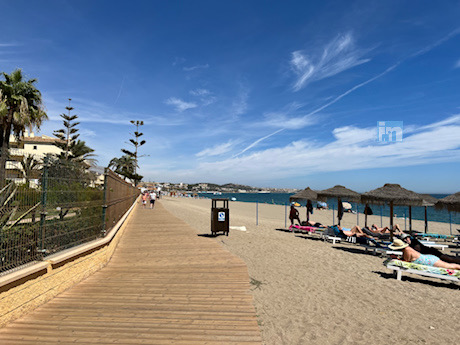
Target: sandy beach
[(310, 292)]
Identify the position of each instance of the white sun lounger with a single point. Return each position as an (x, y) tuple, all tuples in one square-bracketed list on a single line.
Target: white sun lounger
[(399, 266), (434, 245), (378, 250), (333, 239)]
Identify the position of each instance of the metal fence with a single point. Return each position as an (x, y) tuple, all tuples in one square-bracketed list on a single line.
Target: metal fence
[(65, 207)]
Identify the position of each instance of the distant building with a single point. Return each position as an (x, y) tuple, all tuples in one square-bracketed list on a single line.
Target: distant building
[(37, 147), (28, 145)]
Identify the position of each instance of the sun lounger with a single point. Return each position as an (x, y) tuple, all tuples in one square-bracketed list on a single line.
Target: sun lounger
[(435, 236), (434, 245), (333, 239), (305, 228), (335, 235), (399, 266), (380, 250)]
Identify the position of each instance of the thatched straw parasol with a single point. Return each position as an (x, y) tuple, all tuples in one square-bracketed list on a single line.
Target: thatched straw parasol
[(451, 203), (339, 192), (306, 194), (394, 194)]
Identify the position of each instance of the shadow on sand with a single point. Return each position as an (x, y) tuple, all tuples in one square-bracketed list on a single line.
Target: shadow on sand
[(210, 235), (425, 281)]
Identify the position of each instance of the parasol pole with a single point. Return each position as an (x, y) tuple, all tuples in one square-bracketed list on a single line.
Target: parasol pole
[(357, 214), (450, 222), (381, 211), (391, 214), (426, 220), (405, 221), (391, 221), (339, 207), (332, 214), (285, 215), (365, 215), (410, 218)]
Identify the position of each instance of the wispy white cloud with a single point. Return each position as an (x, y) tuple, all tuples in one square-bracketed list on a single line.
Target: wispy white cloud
[(353, 148), (240, 104), (200, 92), (178, 61), (9, 45), (457, 64), (257, 142), (336, 57), (389, 69), (354, 88), (179, 104), (217, 150), (193, 68), (288, 118), (87, 133), (89, 111), (119, 91), (206, 97), (433, 45)]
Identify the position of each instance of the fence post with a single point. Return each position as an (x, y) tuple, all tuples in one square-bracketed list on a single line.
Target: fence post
[(43, 202), (104, 204)]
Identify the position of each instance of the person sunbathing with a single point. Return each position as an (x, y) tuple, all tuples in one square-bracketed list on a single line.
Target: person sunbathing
[(411, 255), (313, 224), (420, 247), (355, 231), (386, 230)]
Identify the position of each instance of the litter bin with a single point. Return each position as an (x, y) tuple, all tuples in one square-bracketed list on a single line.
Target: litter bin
[(220, 217)]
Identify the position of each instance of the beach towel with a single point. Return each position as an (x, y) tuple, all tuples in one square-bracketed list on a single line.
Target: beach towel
[(429, 269)]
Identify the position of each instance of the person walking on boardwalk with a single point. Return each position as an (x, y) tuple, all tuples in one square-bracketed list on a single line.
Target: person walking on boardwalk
[(144, 199), (153, 197)]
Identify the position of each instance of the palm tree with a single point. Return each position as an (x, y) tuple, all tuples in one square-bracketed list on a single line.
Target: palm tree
[(29, 166), (125, 165), (80, 153), (21, 107)]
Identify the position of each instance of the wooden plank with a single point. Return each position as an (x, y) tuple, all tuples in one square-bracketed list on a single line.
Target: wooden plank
[(164, 285)]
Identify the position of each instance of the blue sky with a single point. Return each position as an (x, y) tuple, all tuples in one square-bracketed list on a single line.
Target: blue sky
[(266, 93)]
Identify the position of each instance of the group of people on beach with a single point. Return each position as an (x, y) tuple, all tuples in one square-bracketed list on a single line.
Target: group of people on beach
[(149, 197), (413, 250)]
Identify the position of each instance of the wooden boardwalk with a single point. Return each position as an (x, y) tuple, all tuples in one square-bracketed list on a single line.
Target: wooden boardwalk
[(164, 285)]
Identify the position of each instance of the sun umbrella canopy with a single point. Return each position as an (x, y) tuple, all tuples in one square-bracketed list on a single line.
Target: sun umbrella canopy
[(451, 203), (339, 192), (346, 206), (429, 200), (393, 193), (306, 194)]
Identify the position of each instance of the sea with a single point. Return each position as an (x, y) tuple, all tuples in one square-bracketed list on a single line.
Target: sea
[(400, 211)]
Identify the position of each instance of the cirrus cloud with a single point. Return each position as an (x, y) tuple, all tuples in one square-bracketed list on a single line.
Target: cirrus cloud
[(337, 56), (179, 104)]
